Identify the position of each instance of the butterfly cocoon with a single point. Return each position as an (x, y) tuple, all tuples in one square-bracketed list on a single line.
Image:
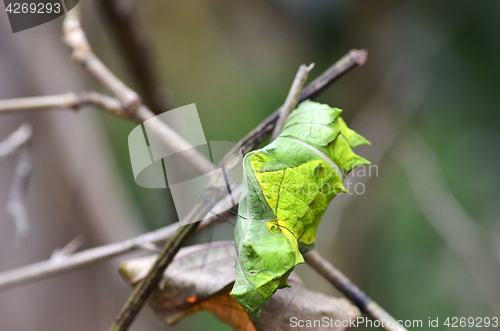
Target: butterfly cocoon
[(287, 187)]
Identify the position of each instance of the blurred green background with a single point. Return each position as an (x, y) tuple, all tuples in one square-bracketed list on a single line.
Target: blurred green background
[(423, 239)]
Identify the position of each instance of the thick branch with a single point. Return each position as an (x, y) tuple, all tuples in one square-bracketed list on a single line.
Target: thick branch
[(352, 292), (148, 284), (214, 192)]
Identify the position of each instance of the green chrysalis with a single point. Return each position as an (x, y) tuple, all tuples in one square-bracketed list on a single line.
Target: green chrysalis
[(287, 187)]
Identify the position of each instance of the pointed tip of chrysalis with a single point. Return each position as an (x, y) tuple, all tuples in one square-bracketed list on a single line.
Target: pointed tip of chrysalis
[(353, 138)]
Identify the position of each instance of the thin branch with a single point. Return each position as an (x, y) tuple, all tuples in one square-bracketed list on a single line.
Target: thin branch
[(62, 264), (67, 100), (75, 101), (70, 248), (292, 99), (52, 267), (131, 102), (352, 292), (18, 142), (348, 62), (16, 207), (353, 59), (135, 43), (74, 36), (15, 140)]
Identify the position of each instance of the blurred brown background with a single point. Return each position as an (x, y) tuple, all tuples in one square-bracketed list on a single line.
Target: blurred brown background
[(423, 239)]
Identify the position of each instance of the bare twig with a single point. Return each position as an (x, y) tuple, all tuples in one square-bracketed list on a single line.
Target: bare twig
[(128, 102), (75, 101), (67, 250), (67, 262), (353, 59), (135, 43), (349, 61), (15, 140), (67, 100), (292, 98), (51, 267), (18, 188), (18, 141), (448, 218), (352, 292)]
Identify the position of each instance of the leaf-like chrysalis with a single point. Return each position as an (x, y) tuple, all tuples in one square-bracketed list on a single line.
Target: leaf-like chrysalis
[(287, 187)]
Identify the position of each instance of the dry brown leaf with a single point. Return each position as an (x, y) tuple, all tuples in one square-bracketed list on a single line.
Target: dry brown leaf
[(225, 308), (201, 277)]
